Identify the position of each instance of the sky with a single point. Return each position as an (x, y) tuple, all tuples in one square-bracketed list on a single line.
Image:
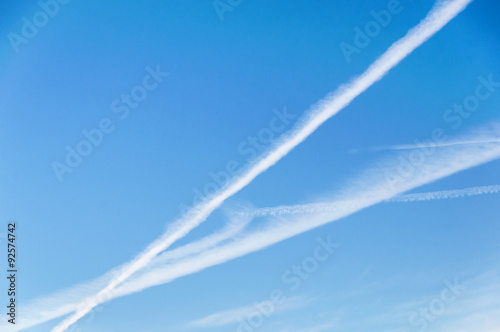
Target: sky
[(219, 87)]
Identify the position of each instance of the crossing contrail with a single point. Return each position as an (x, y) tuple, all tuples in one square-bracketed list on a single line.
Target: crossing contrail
[(308, 209), (278, 223), (439, 16), (288, 222)]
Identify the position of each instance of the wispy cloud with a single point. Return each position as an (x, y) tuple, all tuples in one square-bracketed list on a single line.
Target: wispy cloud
[(239, 220), (331, 105), (279, 228), (236, 315), (336, 205), (476, 308), (447, 194), (368, 189), (473, 306), (319, 327), (426, 145)]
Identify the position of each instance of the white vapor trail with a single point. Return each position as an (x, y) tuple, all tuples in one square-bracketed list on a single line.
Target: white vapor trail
[(281, 227), (313, 208), (67, 301), (284, 222), (335, 205), (446, 194), (427, 145), (331, 105)]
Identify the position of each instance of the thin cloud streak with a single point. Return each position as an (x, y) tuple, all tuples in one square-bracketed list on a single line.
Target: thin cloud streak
[(477, 309), (374, 189), (279, 229), (235, 315), (447, 194), (313, 208), (438, 17), (335, 205), (67, 301), (425, 145)]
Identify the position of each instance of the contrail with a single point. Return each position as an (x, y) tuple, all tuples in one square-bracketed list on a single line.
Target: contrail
[(67, 301), (447, 194), (282, 227), (425, 145), (439, 16), (314, 208), (210, 250), (238, 221), (336, 205)]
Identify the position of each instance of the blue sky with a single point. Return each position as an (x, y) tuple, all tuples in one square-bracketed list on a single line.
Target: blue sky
[(227, 80)]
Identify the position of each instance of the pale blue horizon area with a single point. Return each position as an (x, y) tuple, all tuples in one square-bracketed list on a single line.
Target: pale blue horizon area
[(227, 79)]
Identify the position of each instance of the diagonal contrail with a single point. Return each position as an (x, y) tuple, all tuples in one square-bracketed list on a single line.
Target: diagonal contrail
[(186, 259), (439, 16), (425, 145), (336, 205), (208, 242), (447, 194), (281, 227)]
